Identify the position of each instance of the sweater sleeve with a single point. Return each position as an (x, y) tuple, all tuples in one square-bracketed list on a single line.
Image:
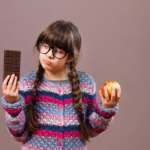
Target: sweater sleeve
[(15, 114), (98, 117)]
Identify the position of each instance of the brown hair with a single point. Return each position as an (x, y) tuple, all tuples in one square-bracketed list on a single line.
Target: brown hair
[(65, 35)]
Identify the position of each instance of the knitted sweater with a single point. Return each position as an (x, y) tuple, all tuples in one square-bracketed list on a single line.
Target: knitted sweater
[(57, 117)]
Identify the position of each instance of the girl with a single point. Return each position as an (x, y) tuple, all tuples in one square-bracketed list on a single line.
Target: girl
[(55, 107)]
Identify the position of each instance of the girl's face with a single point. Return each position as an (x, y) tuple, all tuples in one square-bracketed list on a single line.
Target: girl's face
[(53, 64)]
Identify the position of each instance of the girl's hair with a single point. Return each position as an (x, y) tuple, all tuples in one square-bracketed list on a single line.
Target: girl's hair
[(65, 35)]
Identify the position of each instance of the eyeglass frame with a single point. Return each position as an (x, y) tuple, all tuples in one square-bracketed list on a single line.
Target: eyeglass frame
[(51, 47)]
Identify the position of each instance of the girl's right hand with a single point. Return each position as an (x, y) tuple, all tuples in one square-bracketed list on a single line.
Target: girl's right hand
[(11, 91)]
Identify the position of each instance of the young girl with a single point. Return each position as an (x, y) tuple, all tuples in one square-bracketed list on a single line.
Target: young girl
[(55, 107)]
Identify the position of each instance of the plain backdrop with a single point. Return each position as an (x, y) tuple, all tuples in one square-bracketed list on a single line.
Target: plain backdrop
[(115, 46)]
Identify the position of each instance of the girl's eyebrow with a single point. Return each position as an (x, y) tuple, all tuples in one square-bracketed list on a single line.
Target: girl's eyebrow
[(55, 46)]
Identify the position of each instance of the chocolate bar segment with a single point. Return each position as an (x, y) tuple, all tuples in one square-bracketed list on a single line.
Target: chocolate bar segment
[(11, 64)]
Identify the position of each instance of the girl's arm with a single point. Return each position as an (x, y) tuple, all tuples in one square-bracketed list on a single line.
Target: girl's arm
[(91, 132), (15, 114), (98, 117)]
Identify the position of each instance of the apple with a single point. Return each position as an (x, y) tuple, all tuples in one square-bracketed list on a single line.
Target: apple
[(108, 85)]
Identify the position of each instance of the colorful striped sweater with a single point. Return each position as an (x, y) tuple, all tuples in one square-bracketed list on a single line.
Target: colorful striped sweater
[(58, 120)]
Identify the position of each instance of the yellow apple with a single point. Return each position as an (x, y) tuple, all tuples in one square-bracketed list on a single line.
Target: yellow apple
[(108, 85)]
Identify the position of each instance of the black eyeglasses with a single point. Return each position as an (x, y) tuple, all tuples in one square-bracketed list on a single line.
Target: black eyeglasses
[(44, 48)]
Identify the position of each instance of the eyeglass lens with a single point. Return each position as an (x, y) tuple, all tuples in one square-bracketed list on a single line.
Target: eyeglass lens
[(59, 53)]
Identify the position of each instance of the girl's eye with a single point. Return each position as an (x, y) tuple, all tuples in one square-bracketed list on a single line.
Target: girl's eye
[(45, 46), (57, 51)]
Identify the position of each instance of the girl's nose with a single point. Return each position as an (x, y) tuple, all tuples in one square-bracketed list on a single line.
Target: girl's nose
[(50, 53)]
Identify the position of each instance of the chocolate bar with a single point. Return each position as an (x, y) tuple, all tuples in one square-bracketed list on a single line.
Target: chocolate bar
[(11, 64)]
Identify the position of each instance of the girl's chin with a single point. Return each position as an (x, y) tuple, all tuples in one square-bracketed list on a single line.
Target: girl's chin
[(45, 66)]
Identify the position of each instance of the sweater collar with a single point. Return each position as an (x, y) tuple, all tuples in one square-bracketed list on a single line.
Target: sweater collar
[(55, 84)]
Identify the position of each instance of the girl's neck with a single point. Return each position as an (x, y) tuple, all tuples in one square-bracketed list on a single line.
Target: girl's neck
[(56, 76)]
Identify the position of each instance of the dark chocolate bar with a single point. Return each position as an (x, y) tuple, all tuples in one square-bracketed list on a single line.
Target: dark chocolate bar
[(11, 64)]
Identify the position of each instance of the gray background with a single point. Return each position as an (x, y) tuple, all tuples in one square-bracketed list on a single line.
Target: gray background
[(116, 43)]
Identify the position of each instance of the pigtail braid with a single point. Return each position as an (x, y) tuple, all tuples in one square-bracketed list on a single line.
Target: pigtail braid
[(30, 114), (77, 98)]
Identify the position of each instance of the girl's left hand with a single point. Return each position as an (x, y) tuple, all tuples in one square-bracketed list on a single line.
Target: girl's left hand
[(110, 102)]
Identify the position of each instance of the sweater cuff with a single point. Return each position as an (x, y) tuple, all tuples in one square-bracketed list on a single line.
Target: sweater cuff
[(106, 112), (13, 108)]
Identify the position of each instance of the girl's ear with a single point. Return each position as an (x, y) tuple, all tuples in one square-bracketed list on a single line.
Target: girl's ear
[(69, 59)]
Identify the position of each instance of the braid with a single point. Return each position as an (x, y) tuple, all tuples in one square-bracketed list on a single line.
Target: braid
[(77, 98), (30, 114)]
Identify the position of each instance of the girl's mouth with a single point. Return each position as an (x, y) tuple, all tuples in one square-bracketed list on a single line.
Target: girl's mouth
[(47, 62)]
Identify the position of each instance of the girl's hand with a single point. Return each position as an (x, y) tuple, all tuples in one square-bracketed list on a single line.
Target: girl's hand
[(110, 102), (11, 91)]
